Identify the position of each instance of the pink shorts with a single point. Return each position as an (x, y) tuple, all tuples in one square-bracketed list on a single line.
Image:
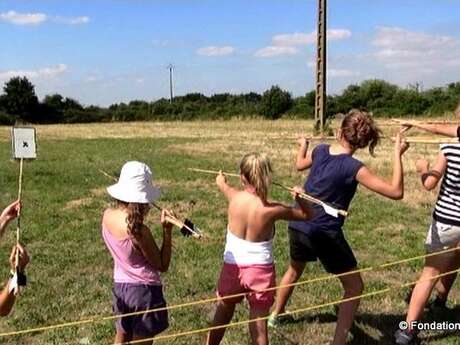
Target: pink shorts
[(236, 279)]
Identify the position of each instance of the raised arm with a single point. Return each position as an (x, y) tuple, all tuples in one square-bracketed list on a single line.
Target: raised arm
[(303, 160), (303, 212), (159, 259), (227, 190), (447, 130), (393, 189), (431, 177)]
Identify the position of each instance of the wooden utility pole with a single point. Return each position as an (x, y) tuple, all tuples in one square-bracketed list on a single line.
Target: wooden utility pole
[(320, 104), (171, 94)]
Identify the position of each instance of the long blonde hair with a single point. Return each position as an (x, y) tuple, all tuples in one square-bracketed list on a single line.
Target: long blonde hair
[(257, 170)]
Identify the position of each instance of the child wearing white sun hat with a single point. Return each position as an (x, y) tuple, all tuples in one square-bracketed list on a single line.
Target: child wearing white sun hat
[(138, 260)]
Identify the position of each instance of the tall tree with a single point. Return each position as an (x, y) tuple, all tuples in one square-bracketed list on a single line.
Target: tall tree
[(19, 99), (275, 102)]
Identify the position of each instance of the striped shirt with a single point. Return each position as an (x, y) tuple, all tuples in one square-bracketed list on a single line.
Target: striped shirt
[(447, 209)]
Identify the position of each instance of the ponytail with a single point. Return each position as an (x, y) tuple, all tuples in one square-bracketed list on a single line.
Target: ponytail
[(256, 169)]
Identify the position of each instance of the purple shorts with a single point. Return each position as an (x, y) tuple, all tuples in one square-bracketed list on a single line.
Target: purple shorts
[(129, 298)]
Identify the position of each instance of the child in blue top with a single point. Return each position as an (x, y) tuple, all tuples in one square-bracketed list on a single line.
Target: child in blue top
[(334, 177)]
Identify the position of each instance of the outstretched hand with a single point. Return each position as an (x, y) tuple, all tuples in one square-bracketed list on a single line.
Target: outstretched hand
[(406, 124), (303, 141), (220, 178), (10, 212), (401, 146)]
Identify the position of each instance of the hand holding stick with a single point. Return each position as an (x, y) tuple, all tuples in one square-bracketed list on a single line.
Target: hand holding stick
[(327, 208), (450, 130), (330, 210), (8, 214), (186, 227)]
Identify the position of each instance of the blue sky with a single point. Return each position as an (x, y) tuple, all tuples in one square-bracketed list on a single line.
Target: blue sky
[(102, 51)]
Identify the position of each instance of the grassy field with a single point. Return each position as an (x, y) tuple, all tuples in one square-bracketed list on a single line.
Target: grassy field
[(70, 273)]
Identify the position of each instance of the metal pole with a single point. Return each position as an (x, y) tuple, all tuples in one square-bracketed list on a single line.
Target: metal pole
[(171, 95), (320, 104)]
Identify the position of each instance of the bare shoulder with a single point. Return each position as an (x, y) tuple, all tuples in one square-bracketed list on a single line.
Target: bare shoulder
[(239, 194), (239, 198), (107, 215)]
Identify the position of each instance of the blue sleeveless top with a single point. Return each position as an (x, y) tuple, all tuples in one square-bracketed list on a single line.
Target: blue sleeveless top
[(332, 179)]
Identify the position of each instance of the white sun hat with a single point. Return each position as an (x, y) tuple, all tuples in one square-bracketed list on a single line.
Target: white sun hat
[(135, 184)]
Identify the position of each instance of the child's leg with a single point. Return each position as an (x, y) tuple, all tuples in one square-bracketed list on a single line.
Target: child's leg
[(121, 337), (141, 337), (353, 286), (223, 315), (258, 329), (292, 275), (445, 283), (434, 265)]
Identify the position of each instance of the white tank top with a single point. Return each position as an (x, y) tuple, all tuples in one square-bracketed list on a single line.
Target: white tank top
[(242, 252)]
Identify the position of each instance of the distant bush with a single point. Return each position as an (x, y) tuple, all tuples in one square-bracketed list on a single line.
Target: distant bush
[(275, 102), (19, 102)]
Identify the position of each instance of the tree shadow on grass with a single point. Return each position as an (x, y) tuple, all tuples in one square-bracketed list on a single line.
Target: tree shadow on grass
[(385, 326), (373, 329)]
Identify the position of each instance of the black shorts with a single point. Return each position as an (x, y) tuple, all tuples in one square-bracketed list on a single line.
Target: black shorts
[(329, 247)]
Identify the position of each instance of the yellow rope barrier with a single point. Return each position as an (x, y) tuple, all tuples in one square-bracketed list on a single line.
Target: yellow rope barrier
[(296, 311), (214, 299)]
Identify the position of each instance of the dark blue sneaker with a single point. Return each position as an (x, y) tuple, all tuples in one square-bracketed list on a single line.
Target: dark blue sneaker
[(405, 337)]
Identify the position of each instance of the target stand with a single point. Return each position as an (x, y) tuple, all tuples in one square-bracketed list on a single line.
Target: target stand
[(24, 147)]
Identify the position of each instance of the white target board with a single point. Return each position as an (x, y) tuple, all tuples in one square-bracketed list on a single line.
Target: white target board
[(23, 142)]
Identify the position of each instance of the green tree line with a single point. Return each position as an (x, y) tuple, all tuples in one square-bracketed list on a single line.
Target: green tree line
[(20, 102)]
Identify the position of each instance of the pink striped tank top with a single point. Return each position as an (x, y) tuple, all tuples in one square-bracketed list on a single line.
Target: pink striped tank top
[(130, 266)]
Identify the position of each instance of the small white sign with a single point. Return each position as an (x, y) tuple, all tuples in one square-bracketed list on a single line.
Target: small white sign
[(23, 141)]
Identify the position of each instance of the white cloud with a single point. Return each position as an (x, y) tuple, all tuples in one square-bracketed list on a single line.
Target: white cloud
[(342, 73), (398, 48), (215, 51), (16, 18), (300, 38), (72, 20), (46, 72), (294, 39), (272, 51), (394, 37), (338, 34), (285, 44), (336, 72)]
